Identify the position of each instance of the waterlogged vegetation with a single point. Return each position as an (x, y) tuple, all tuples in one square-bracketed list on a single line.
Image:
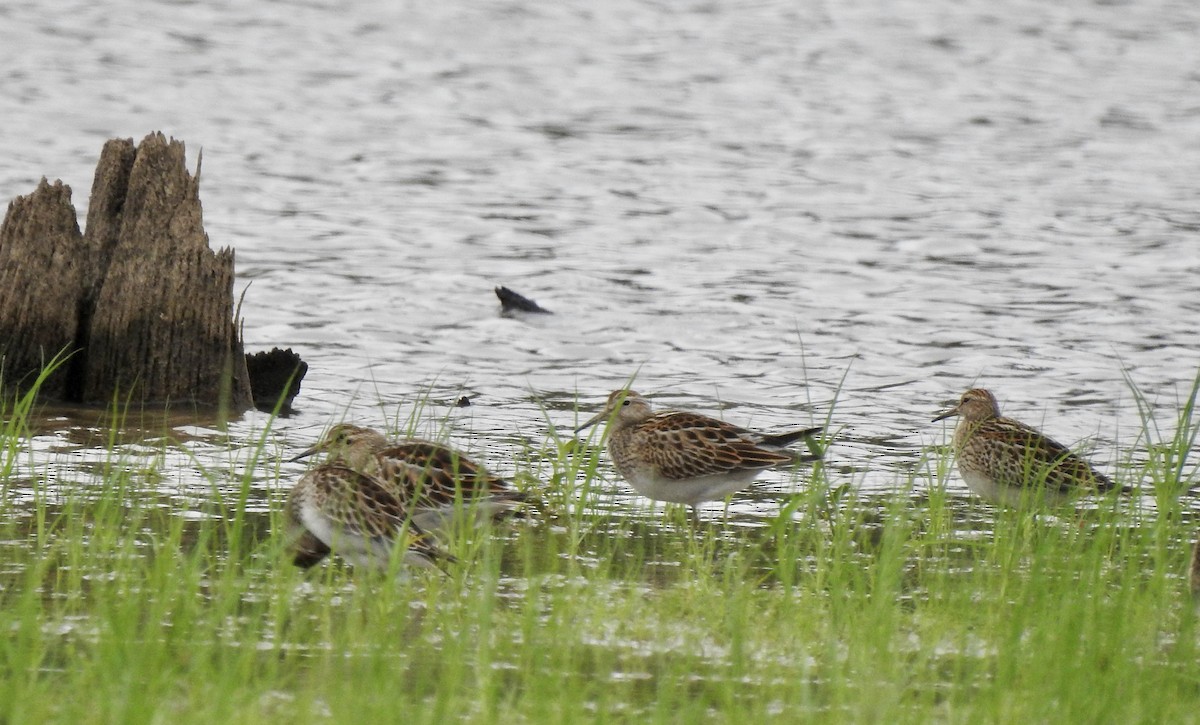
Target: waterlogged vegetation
[(918, 605)]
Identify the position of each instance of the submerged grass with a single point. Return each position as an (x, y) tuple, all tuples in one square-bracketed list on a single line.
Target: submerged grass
[(909, 607)]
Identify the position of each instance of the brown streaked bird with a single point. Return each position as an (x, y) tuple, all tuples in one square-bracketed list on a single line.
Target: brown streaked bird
[(356, 516), (439, 484), (1008, 462), (688, 458)]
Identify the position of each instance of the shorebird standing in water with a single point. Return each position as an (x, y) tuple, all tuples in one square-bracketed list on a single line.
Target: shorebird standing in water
[(687, 458), (1008, 462), (438, 484)]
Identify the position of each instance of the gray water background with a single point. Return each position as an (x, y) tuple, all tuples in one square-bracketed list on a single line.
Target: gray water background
[(754, 207)]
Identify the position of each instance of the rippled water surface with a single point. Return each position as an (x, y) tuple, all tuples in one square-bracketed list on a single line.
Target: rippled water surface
[(755, 208)]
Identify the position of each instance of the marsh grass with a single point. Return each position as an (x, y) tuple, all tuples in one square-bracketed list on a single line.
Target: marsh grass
[(913, 606)]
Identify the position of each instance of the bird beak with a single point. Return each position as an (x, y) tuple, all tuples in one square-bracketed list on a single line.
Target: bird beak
[(305, 454), (947, 413), (594, 419)]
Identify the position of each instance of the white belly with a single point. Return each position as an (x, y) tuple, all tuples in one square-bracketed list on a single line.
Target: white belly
[(691, 491), (1011, 496)]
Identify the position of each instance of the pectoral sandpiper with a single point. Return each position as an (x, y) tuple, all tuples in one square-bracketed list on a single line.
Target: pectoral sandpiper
[(356, 516), (1008, 462), (437, 483), (688, 458)]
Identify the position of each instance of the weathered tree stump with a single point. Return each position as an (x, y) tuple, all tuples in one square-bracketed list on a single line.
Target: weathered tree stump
[(43, 277), (140, 301)]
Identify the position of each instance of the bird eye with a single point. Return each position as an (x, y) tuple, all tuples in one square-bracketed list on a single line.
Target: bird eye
[(627, 401)]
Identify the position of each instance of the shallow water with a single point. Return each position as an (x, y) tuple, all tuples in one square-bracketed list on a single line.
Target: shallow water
[(755, 209)]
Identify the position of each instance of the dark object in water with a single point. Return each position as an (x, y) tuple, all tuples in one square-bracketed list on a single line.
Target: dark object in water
[(512, 302), (463, 402), (274, 375)]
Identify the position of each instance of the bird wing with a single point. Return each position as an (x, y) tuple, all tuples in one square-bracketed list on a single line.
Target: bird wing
[(688, 445), (372, 510), (432, 474), (385, 518), (1036, 457)]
